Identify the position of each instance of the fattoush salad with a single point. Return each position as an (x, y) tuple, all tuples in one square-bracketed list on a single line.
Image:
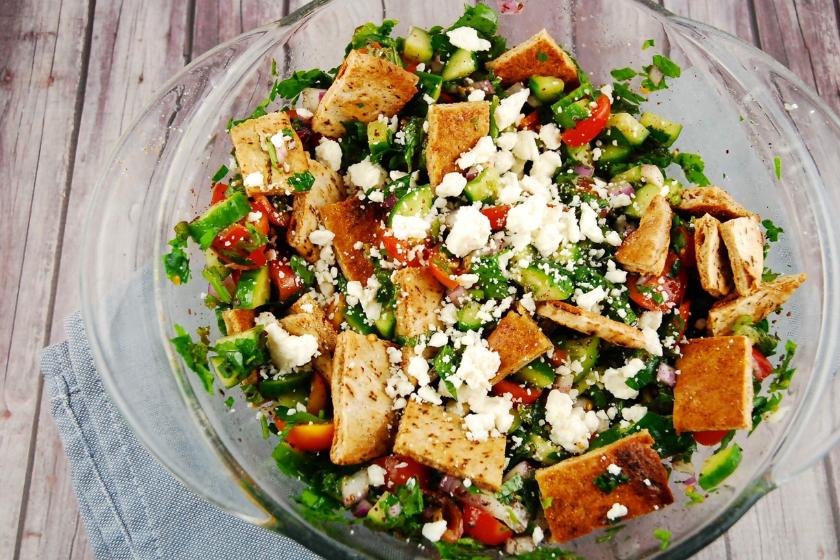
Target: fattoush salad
[(461, 290)]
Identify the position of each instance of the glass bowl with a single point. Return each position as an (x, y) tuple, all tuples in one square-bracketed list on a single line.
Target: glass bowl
[(732, 100)]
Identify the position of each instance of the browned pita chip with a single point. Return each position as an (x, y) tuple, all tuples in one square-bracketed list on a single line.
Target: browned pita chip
[(714, 389), (518, 341), (757, 305), (251, 139), (711, 200), (454, 128), (576, 507), (590, 323), (363, 412), (364, 88), (327, 189), (419, 295), (431, 436), (745, 245), (712, 258), (353, 221), (538, 56), (646, 249), (238, 320)]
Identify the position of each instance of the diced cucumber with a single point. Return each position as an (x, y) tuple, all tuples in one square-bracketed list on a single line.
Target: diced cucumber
[(416, 202), (226, 375), (377, 136), (544, 451), (485, 187), (614, 148), (418, 46), (298, 395), (206, 227), (583, 350), (675, 190), (468, 319), (386, 324), (719, 466), (250, 334), (461, 64), (537, 374), (566, 254), (632, 176), (378, 514), (494, 128), (546, 281), (273, 388), (632, 129), (568, 115), (213, 261), (357, 320), (580, 154), (427, 85), (547, 89), (644, 195), (662, 131), (517, 419), (253, 289)]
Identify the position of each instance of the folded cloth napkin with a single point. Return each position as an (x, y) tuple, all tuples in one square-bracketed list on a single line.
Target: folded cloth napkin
[(131, 506)]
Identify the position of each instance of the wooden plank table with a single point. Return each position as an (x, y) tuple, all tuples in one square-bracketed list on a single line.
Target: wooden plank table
[(74, 74)]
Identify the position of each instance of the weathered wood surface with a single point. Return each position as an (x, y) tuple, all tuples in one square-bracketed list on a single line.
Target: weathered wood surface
[(74, 74)]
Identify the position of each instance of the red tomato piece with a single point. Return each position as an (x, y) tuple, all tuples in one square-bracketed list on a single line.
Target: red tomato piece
[(519, 393), (443, 268), (558, 358), (688, 254), (262, 204), (497, 216), (709, 438), (319, 395), (672, 290), (482, 526), (218, 193), (585, 131), (284, 279), (531, 122), (762, 368), (400, 469), (313, 438), (401, 249), (454, 523), (262, 223)]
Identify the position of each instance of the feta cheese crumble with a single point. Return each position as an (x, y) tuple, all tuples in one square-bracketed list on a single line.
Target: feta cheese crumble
[(288, 351), (435, 530), (328, 153), (617, 511), (470, 231)]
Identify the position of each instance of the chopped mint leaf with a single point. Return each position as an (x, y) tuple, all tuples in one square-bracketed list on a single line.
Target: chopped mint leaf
[(509, 489), (668, 67), (482, 18), (220, 174), (542, 57), (302, 182), (446, 364), (663, 536), (608, 481), (772, 231), (229, 402), (778, 164), (648, 44), (291, 87), (623, 74)]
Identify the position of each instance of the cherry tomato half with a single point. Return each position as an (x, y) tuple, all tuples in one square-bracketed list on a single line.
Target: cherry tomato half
[(497, 216), (482, 526), (709, 438), (531, 122), (319, 395), (309, 437), (444, 268), (518, 393), (218, 193), (586, 131), (400, 469), (284, 279), (558, 358), (400, 249), (262, 204), (672, 290), (762, 368)]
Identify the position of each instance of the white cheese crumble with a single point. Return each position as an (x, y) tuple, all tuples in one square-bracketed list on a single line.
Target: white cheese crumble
[(452, 184), (589, 301), (468, 280), (615, 275), (615, 379), (418, 368), (478, 366), (649, 322), (617, 511), (482, 153), (288, 351), (476, 95), (410, 227), (328, 153), (571, 427), (366, 297), (467, 38), (470, 231), (435, 530), (254, 179), (634, 413), (321, 237), (508, 111), (366, 175), (589, 224), (550, 136), (614, 469), (537, 535), (376, 475)]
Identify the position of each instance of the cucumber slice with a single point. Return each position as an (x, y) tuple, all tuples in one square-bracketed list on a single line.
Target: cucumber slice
[(485, 187), (517, 419), (580, 154), (632, 176), (357, 320), (583, 350), (418, 46), (544, 451), (386, 324), (567, 115), (566, 254), (547, 89), (494, 128), (253, 289), (427, 84), (298, 395), (633, 130), (226, 375), (273, 388), (378, 514), (377, 132), (213, 261), (468, 317), (416, 202), (206, 227), (461, 64), (719, 466), (251, 334), (644, 195), (537, 374), (662, 131), (675, 190), (614, 148), (546, 281)]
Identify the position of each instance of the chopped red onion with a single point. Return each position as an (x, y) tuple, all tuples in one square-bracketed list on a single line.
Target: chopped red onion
[(310, 97), (361, 509), (450, 484), (690, 481), (515, 515), (520, 545), (390, 202), (459, 296), (394, 510), (585, 170), (509, 7), (472, 174), (667, 375), (230, 285), (523, 469), (486, 86), (354, 488)]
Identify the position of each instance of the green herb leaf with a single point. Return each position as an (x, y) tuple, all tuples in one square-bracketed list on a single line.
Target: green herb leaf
[(490, 277), (177, 263), (291, 87), (668, 67), (220, 174), (778, 164), (302, 182), (784, 373), (301, 269), (610, 533), (211, 274), (607, 482), (648, 44), (542, 57), (195, 354), (762, 406), (229, 402), (507, 492), (243, 354), (446, 364), (480, 17), (623, 74), (694, 497), (693, 166), (663, 536), (772, 231)]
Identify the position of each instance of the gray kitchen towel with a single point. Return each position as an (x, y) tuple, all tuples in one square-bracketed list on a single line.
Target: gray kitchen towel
[(131, 506)]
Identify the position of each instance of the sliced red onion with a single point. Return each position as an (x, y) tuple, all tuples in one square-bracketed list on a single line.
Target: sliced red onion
[(585, 170), (498, 245), (653, 175), (667, 375), (281, 151), (486, 86), (390, 202), (310, 97), (509, 7), (354, 488), (520, 545), (450, 484), (230, 285), (621, 187), (523, 469), (690, 481), (361, 509), (472, 174), (459, 296)]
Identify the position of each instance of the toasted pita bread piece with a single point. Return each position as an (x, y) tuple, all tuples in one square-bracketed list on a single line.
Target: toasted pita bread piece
[(590, 323), (308, 318), (364, 418), (419, 295), (238, 320), (518, 341), (714, 389), (327, 189), (454, 128), (431, 436), (757, 305), (250, 140), (577, 506), (538, 56), (352, 221), (745, 245), (364, 88), (711, 200), (712, 258), (645, 250)]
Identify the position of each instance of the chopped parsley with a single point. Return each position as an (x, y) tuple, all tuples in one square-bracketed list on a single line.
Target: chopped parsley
[(607, 482), (623, 74), (693, 166), (507, 492), (784, 373), (664, 536), (648, 44), (542, 57), (229, 402), (302, 182), (301, 269), (772, 231), (611, 531), (195, 354), (220, 174), (177, 263), (446, 364)]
